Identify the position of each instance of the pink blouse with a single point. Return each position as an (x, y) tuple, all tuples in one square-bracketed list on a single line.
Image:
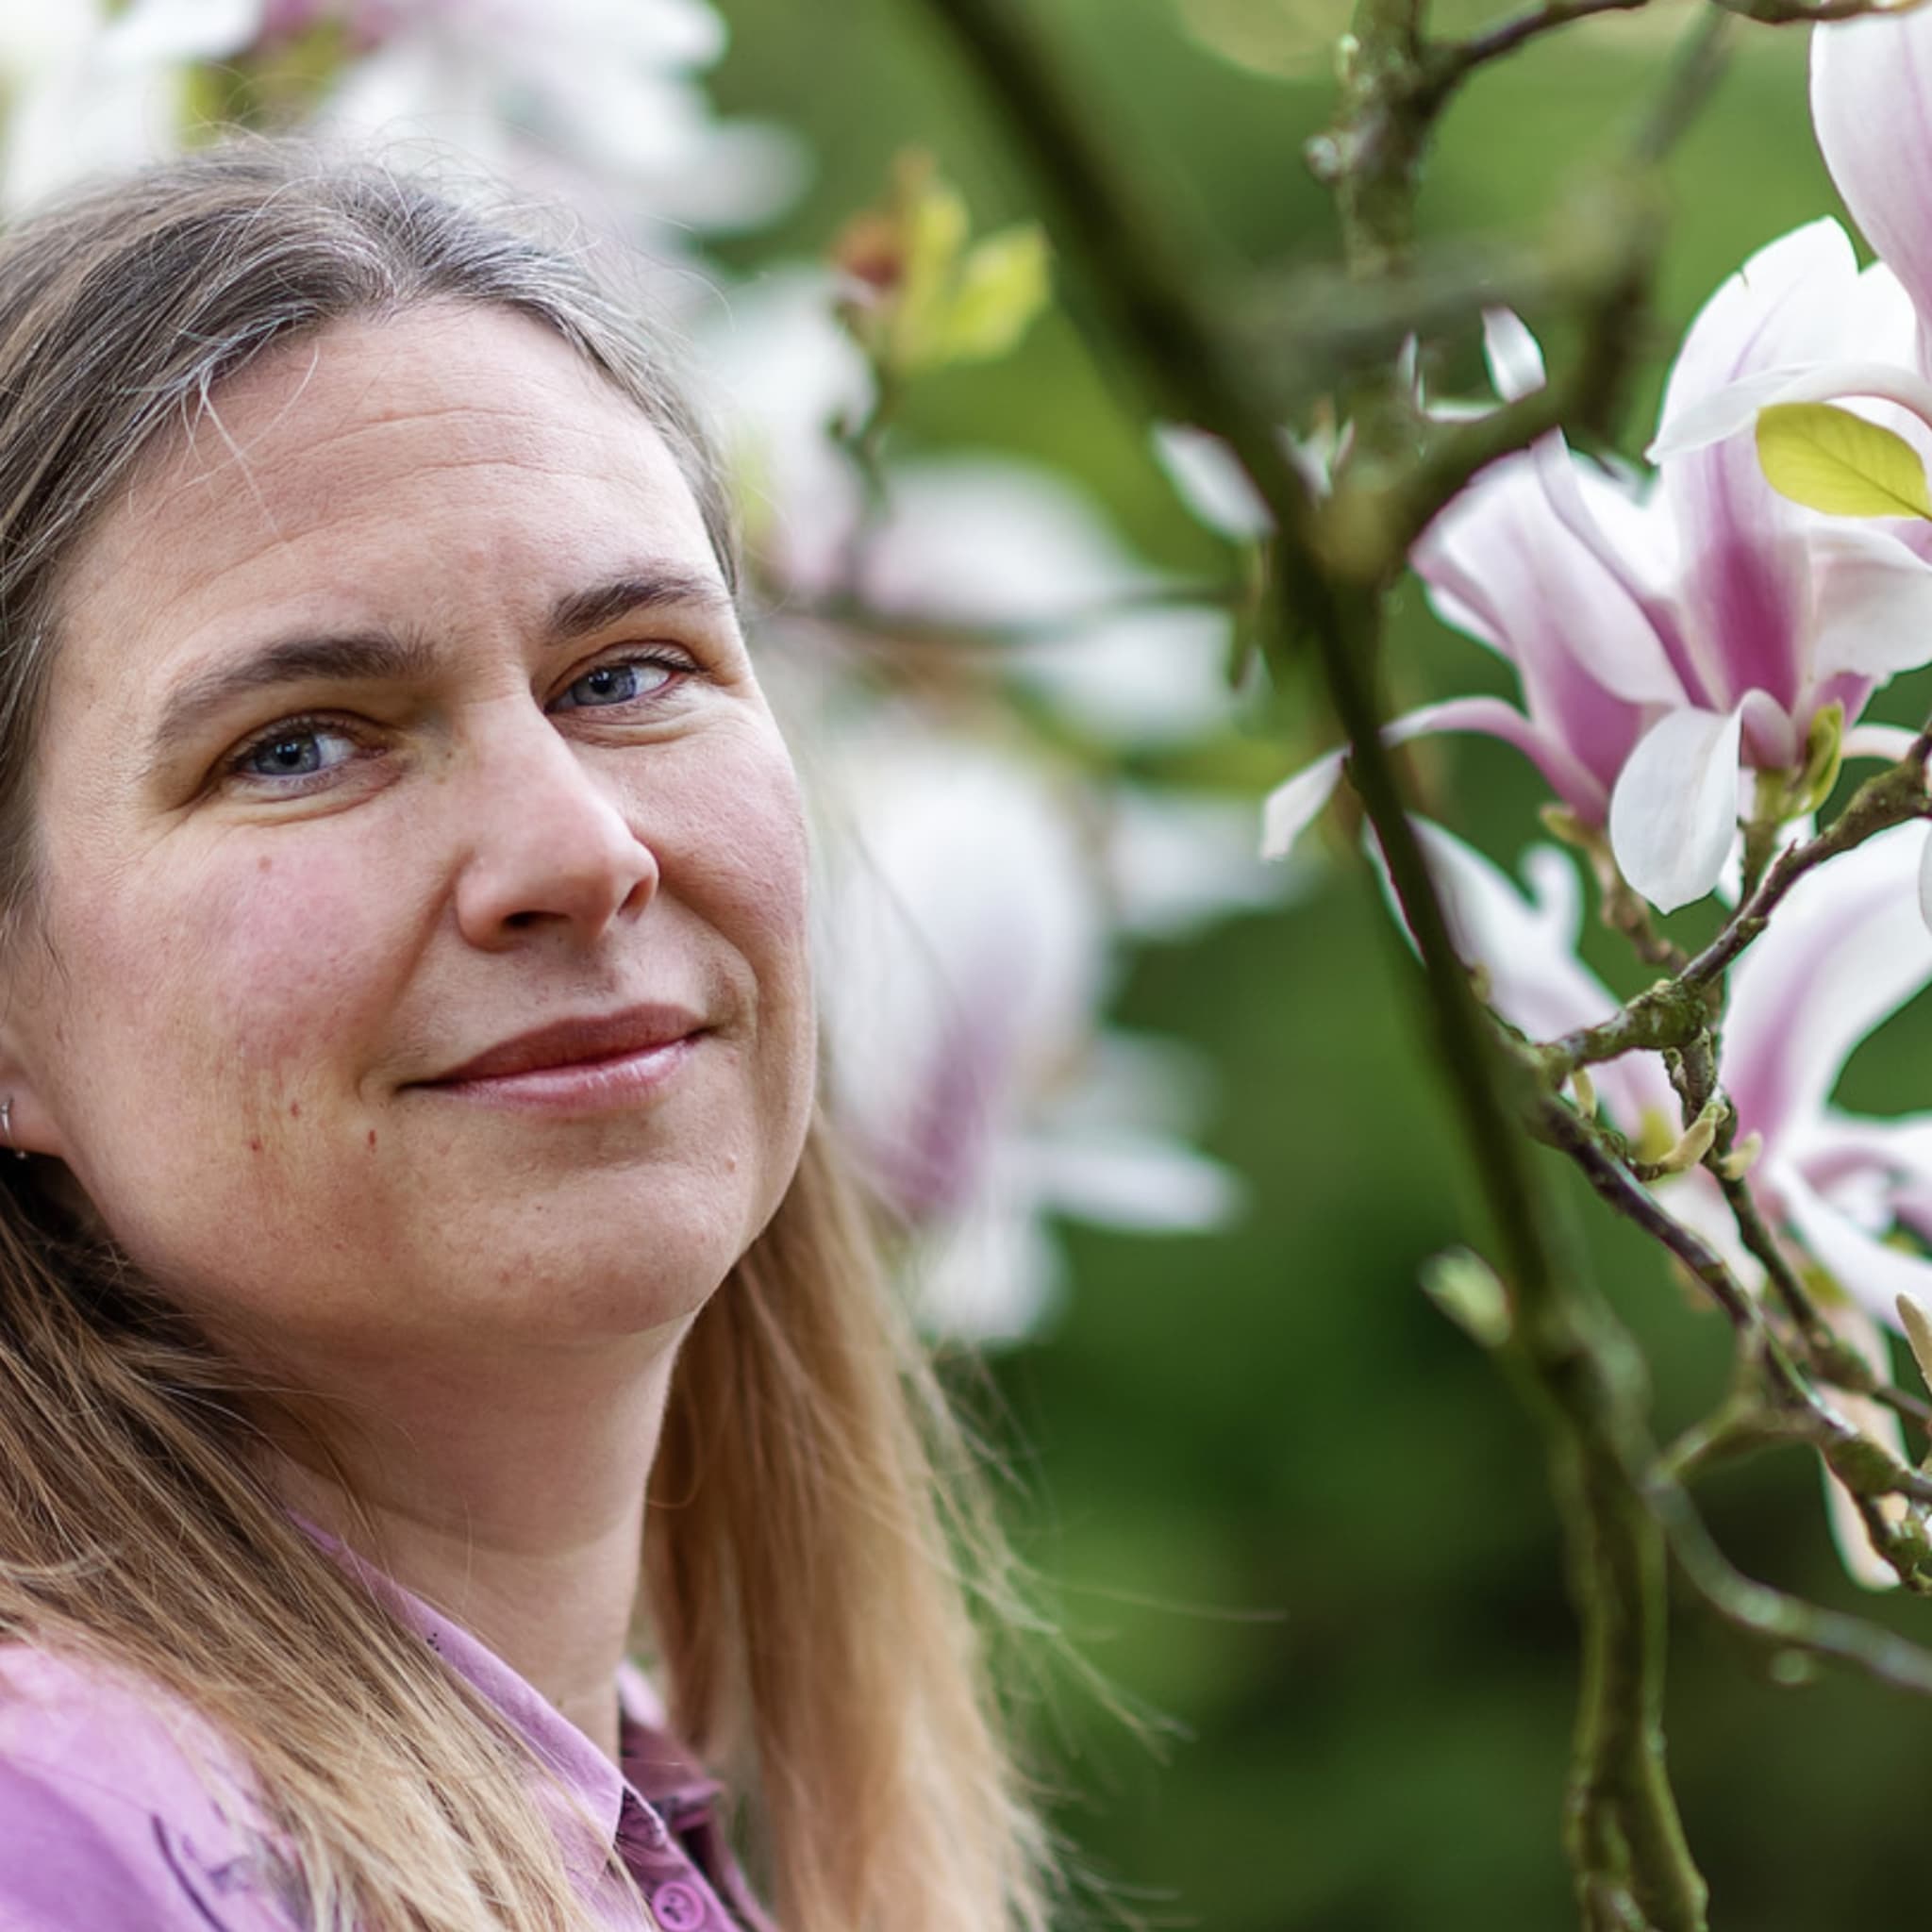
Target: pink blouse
[(107, 1823)]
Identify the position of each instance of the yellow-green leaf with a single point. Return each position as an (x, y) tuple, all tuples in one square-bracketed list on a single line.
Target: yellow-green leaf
[(1829, 460), (1003, 286), (934, 224)]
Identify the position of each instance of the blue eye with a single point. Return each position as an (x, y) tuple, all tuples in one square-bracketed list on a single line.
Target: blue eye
[(621, 682), (295, 751)]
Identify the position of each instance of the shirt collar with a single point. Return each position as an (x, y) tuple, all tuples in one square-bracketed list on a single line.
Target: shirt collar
[(660, 1771)]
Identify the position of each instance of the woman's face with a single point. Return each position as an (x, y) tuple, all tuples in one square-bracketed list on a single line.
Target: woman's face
[(420, 954)]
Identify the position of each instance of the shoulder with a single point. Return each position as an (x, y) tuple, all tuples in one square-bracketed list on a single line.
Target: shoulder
[(119, 1806)]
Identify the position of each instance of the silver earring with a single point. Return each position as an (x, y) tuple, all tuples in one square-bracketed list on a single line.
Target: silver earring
[(7, 1126)]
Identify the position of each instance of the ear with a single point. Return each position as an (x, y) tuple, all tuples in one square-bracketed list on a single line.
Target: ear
[(27, 1123)]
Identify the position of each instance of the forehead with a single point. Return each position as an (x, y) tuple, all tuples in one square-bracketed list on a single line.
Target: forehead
[(383, 464)]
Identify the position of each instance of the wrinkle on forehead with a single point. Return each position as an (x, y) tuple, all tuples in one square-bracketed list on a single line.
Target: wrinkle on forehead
[(307, 430)]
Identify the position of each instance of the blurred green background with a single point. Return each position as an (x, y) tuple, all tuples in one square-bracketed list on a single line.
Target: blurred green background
[(1278, 1501)]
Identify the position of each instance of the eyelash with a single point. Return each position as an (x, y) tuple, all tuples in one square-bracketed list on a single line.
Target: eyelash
[(306, 724)]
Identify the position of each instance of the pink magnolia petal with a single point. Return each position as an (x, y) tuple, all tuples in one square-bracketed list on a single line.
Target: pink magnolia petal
[(1295, 805), (1566, 775), (1845, 951), (1872, 106), (1501, 565), (1525, 946), (1674, 666), (1874, 604), (1831, 1148), (1745, 584), (1871, 1271), (1673, 814)]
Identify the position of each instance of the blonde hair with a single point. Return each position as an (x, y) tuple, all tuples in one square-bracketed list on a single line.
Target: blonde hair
[(816, 1531)]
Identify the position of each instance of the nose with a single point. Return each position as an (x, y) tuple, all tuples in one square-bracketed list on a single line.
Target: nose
[(547, 847)]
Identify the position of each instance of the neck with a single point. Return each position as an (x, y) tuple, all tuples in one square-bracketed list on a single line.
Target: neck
[(511, 1499)]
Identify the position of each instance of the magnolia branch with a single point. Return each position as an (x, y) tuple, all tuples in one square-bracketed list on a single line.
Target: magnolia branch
[(1771, 1617), (1627, 1846), (1868, 1475), (1455, 59), (1798, 13), (1674, 1011)]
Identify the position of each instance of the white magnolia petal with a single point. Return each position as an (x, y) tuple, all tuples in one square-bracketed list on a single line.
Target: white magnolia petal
[(1514, 356), (1673, 814), (1871, 1271), (154, 32), (1149, 1183), (1926, 881), (1872, 106), (1178, 862), (1785, 308), (1890, 742), (1294, 805), (1210, 482), (1723, 413), (1843, 953), (1873, 605), (995, 1276), (1735, 408), (1526, 949)]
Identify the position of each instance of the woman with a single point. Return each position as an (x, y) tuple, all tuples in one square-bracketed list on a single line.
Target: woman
[(406, 1034)]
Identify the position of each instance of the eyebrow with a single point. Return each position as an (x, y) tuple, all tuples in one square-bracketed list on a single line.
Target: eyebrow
[(381, 656)]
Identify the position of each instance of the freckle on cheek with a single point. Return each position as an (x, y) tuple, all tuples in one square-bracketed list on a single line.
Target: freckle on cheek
[(255, 1146), (371, 1140), (294, 1109)]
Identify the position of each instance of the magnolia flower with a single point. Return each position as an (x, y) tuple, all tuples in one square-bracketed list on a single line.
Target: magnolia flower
[(964, 960), (93, 89), (1665, 638), (595, 100), (1845, 951), (1871, 109)]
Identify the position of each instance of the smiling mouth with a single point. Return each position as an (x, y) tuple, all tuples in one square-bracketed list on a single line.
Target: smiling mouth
[(576, 1064)]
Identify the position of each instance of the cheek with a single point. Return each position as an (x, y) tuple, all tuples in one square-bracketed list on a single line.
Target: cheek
[(740, 862), (228, 979)]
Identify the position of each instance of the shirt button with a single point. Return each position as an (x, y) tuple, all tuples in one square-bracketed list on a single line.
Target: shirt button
[(679, 1908)]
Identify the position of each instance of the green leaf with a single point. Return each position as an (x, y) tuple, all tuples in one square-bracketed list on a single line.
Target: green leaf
[(933, 229), (1003, 285), (1829, 460)]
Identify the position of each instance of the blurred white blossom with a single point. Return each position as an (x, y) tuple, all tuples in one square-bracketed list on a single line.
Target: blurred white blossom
[(965, 957), (90, 89), (597, 101)]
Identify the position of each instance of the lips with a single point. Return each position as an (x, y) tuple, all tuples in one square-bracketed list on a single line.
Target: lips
[(581, 1042)]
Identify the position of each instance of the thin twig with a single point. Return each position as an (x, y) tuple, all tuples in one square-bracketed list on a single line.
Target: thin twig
[(1674, 1011), (1876, 1472), (1770, 1616), (1797, 13), (1890, 797), (1455, 59)]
